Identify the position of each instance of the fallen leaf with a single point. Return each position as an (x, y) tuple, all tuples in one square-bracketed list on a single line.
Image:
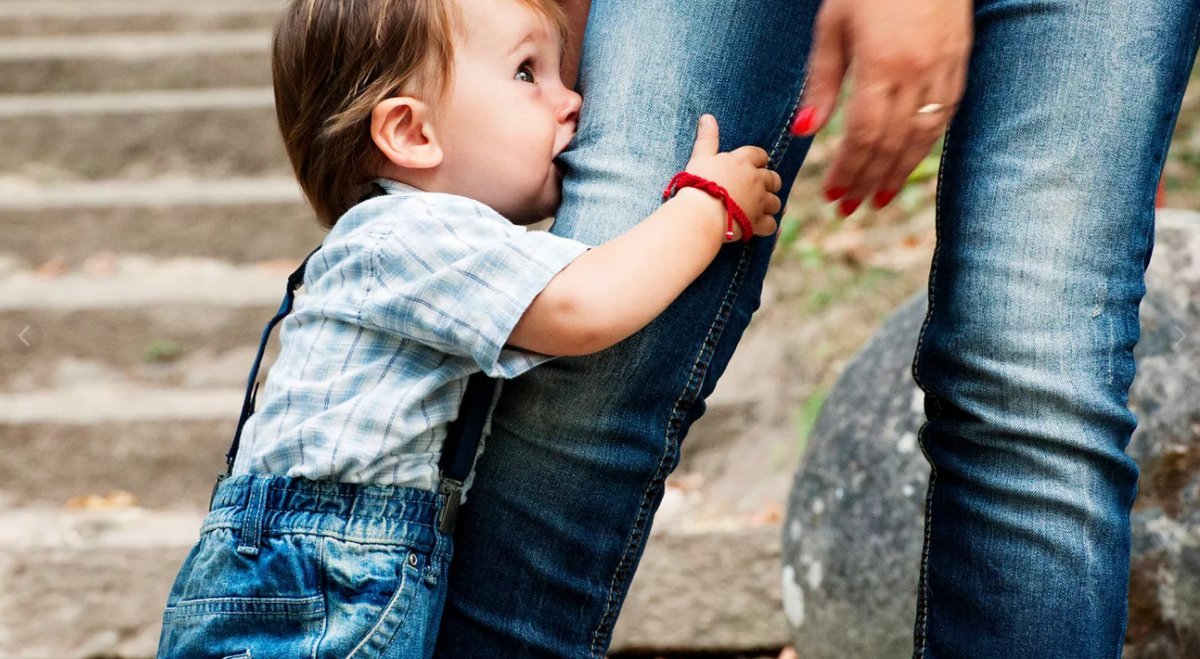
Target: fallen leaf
[(116, 499), (690, 482), (55, 267), (103, 264), (770, 515)]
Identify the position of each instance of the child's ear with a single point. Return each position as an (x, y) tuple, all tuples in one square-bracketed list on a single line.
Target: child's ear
[(402, 129)]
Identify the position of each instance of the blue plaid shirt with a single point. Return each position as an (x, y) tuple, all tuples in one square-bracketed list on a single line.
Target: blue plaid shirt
[(410, 293)]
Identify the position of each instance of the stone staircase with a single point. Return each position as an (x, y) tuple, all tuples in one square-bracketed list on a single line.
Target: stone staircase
[(149, 220)]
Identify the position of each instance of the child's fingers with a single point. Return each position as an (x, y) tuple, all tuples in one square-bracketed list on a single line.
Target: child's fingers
[(708, 140), (765, 226), (756, 155), (773, 205), (772, 180)]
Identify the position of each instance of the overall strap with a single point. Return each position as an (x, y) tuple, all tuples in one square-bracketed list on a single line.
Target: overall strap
[(295, 280), (462, 437), (462, 443)]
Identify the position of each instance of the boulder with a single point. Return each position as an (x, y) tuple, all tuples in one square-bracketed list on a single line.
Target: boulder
[(854, 528)]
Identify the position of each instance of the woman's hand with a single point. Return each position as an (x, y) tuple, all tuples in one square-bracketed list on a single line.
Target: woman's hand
[(905, 57)]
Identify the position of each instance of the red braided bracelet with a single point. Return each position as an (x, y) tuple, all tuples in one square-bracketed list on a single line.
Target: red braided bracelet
[(733, 211)]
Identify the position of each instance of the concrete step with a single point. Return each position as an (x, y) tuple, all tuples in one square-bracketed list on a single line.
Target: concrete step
[(163, 461), (134, 61), (88, 584), (24, 18), (175, 323), (133, 282), (238, 220), (163, 445), (210, 133), (93, 583)]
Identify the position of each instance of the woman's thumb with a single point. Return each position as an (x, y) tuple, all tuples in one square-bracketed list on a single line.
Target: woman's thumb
[(826, 69), (708, 140)]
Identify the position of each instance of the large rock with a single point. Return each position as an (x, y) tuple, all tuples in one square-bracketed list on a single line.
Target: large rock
[(852, 538)]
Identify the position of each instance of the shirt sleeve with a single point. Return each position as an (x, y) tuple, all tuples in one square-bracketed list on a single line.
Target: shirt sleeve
[(453, 274)]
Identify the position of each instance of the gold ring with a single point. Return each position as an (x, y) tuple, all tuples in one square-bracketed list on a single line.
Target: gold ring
[(931, 108)]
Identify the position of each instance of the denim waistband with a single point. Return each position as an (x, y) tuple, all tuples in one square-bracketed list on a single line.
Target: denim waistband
[(258, 505)]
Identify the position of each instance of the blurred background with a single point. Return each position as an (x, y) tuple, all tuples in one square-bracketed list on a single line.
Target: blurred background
[(149, 220)]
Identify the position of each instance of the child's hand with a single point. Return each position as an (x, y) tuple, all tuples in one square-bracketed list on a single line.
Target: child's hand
[(743, 172)]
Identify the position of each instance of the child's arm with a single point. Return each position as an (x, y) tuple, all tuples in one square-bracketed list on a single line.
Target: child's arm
[(615, 289)]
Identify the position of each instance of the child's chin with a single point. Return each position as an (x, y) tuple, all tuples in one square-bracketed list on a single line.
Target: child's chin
[(551, 205), (534, 215)]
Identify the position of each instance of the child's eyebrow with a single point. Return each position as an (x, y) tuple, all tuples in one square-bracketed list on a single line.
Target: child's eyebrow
[(529, 37)]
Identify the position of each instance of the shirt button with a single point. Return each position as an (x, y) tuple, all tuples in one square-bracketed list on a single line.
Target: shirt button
[(412, 559)]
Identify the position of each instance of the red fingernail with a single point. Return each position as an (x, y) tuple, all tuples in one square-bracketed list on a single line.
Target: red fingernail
[(848, 206), (884, 197), (835, 193), (803, 124)]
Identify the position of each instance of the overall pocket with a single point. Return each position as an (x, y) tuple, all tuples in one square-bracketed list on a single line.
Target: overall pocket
[(231, 605), (375, 600)]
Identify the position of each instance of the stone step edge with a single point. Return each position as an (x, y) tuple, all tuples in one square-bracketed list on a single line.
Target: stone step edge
[(111, 403), (134, 46), (33, 106), (133, 402), (134, 527), (112, 524), (680, 599), (144, 281), (22, 195), (12, 9)]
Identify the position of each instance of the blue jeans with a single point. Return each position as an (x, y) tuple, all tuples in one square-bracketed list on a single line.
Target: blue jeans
[(1045, 228), (287, 567), (566, 489)]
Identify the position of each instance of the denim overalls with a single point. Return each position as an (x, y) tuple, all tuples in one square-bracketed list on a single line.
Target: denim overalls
[(289, 567)]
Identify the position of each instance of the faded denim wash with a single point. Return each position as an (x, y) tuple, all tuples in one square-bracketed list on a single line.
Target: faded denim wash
[(1045, 227), (287, 567)]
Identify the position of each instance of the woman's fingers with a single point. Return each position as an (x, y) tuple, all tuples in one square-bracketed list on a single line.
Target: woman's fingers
[(888, 177), (866, 122), (926, 129), (886, 140), (900, 54), (896, 139)]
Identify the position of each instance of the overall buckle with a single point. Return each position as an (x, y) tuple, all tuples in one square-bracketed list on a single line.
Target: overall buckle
[(452, 490)]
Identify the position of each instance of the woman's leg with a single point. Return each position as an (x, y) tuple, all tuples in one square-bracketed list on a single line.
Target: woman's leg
[(1046, 214), (565, 493)]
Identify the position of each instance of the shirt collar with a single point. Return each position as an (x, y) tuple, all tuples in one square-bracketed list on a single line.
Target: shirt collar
[(396, 187)]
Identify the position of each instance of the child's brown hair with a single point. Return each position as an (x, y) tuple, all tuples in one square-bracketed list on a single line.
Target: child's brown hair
[(333, 61)]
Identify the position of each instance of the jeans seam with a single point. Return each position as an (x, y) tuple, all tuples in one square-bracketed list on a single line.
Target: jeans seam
[(670, 448), (322, 553), (784, 131), (389, 622), (683, 402), (922, 618)]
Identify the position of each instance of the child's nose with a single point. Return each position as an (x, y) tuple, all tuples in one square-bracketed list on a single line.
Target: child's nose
[(569, 111)]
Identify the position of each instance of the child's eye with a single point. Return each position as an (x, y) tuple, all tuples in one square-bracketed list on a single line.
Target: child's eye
[(525, 73)]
